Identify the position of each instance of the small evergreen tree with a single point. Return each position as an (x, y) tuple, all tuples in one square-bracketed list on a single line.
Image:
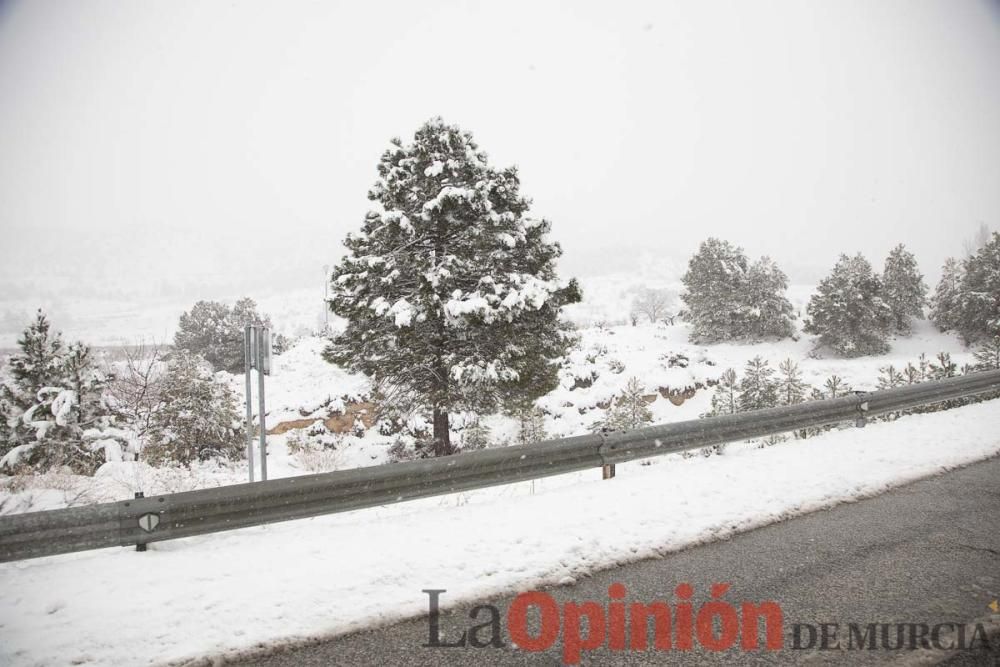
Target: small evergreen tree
[(944, 368), (725, 398), (889, 377), (530, 425), (714, 288), (758, 390), (770, 313), (728, 299), (988, 354), (450, 290), (903, 288), (475, 435), (979, 311), (847, 313), (791, 388), (57, 400), (833, 387), (214, 331), (198, 418), (947, 300), (628, 410), (38, 364)]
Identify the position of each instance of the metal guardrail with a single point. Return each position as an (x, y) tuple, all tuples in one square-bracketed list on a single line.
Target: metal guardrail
[(145, 520)]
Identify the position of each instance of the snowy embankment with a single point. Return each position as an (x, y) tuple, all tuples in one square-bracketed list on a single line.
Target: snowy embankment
[(222, 594)]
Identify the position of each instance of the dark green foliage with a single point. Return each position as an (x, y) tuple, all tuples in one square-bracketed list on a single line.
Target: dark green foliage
[(848, 313), (628, 410), (903, 288), (791, 388), (978, 315), (728, 299), (450, 291), (197, 420), (758, 389), (214, 331)]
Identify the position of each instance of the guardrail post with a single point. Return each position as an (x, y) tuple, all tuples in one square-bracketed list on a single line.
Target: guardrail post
[(608, 471), (862, 409), (140, 547)]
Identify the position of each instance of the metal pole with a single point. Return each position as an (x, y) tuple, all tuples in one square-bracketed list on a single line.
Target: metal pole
[(246, 356), (326, 296), (261, 342)]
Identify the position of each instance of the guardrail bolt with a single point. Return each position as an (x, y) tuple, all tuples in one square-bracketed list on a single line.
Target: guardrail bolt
[(140, 547), (608, 471)]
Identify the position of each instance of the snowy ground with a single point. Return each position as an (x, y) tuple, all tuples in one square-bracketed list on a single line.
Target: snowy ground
[(304, 386), (222, 594)]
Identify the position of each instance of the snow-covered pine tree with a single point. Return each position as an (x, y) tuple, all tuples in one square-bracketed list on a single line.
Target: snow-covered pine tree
[(475, 435), (944, 368), (729, 299), (725, 398), (903, 288), (244, 312), (833, 387), (791, 388), (204, 331), (770, 313), (988, 354), (628, 410), (758, 390), (890, 377), (912, 374), (530, 425), (214, 331), (979, 312), (450, 290), (87, 382), (715, 285), (38, 364), (197, 420), (57, 399), (947, 300), (847, 312)]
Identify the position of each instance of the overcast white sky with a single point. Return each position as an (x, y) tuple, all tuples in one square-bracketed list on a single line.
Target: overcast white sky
[(172, 131)]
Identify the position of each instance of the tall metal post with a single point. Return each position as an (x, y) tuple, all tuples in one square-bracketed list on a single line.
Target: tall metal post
[(326, 295), (263, 340), (247, 352)]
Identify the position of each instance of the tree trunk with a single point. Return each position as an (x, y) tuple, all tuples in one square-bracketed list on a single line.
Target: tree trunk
[(442, 434)]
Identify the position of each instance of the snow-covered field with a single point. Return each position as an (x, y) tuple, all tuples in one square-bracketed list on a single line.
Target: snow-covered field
[(305, 387), (210, 595)]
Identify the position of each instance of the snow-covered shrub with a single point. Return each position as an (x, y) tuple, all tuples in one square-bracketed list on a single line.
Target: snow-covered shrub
[(847, 313), (198, 419)]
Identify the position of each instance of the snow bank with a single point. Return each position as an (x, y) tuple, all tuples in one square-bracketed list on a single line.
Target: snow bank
[(223, 593)]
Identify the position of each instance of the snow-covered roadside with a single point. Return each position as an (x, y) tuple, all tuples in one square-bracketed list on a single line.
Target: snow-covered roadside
[(217, 594)]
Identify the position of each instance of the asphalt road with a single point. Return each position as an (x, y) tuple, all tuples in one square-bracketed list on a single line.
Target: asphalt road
[(927, 553)]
